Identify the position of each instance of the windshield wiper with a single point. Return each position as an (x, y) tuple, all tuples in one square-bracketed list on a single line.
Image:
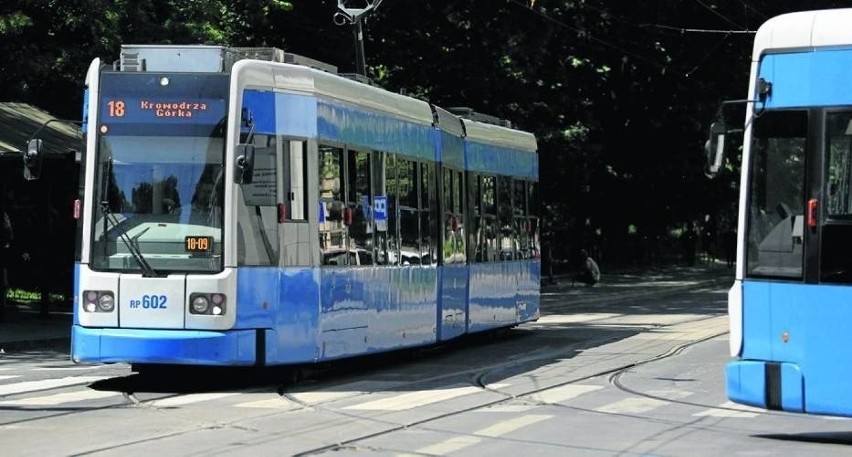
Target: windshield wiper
[(131, 243)]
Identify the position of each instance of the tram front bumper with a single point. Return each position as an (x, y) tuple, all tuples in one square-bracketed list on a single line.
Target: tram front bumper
[(179, 347), (770, 385)]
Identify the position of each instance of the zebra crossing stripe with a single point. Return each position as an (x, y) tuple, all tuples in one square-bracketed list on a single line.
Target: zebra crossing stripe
[(730, 409), (499, 429), (8, 376), (44, 384), (560, 394), (415, 399), (58, 399), (182, 400), (341, 391)]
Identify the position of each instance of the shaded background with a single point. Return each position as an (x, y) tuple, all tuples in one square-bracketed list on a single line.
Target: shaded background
[(619, 94)]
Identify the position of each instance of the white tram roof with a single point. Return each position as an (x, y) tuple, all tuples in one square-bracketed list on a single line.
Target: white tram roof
[(304, 79), (500, 136), (805, 29)]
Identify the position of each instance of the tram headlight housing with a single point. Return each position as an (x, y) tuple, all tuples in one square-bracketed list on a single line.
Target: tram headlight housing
[(98, 301), (212, 304)]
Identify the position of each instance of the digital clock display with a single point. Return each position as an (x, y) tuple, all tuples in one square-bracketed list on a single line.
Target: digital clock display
[(199, 244)]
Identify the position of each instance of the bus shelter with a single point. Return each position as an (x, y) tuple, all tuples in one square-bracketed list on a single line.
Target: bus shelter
[(41, 254)]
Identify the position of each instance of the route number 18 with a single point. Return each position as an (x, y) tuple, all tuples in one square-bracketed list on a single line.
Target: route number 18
[(116, 108)]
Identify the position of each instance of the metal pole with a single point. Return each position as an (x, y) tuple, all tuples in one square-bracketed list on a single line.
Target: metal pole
[(354, 17), (360, 57)]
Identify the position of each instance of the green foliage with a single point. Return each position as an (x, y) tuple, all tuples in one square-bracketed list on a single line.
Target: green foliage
[(619, 94)]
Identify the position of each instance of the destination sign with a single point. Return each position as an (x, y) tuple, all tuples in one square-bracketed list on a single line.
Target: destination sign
[(151, 110)]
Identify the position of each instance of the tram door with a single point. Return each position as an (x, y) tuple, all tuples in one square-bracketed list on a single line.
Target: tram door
[(833, 194), (295, 238)]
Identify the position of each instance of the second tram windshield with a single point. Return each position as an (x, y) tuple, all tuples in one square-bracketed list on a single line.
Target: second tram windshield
[(159, 176)]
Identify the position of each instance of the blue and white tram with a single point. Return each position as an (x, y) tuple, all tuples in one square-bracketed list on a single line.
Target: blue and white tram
[(790, 306), (241, 212)]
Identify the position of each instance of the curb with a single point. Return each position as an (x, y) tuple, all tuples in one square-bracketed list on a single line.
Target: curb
[(617, 297), (9, 347)]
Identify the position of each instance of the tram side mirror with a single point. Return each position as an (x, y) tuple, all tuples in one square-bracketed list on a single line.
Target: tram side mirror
[(32, 160), (714, 149), (244, 166)]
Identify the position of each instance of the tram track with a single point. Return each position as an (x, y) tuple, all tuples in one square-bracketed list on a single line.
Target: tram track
[(479, 380), (478, 376)]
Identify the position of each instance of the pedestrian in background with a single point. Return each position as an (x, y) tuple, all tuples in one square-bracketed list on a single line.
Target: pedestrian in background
[(590, 273)]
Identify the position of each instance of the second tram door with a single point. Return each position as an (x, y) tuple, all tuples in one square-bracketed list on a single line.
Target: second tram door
[(834, 194)]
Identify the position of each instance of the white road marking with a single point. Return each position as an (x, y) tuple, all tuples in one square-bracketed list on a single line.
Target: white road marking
[(499, 429), (182, 400), (69, 368), (636, 405), (574, 318), (269, 403), (560, 394), (342, 391), (44, 384), (58, 399), (8, 376), (506, 409), (415, 399), (740, 411)]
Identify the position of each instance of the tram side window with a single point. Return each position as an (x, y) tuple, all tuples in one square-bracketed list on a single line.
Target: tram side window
[(360, 202), (534, 221), (409, 218), (520, 226), (332, 231), (507, 237), (486, 223), (257, 220), (390, 246), (428, 214), (454, 234), (776, 195)]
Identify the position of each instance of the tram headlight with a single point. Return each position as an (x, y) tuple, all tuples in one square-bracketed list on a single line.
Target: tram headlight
[(207, 303), (200, 304), (106, 303), (98, 301)]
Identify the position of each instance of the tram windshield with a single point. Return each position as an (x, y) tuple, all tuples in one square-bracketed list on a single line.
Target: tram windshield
[(159, 177)]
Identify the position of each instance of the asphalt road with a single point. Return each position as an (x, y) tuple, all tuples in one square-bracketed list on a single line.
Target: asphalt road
[(637, 376)]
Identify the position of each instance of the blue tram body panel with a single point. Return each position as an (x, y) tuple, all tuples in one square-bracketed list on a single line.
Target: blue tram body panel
[(808, 78), (813, 361), (489, 158), (191, 347), (453, 304), (501, 294), (312, 117)]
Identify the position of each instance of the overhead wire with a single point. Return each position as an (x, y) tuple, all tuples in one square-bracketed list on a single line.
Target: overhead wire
[(690, 30), (713, 10), (749, 7), (706, 57), (591, 38)]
